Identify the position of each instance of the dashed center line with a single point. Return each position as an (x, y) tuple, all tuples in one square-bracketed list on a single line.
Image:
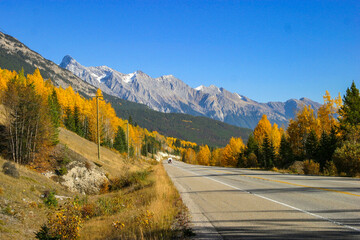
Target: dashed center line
[(294, 184)]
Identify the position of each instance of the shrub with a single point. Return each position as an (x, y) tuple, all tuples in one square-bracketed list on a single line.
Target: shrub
[(62, 224), (50, 199), (88, 210), (44, 234), (330, 169), (129, 179), (104, 187), (62, 171), (297, 167), (252, 160), (10, 169), (311, 167), (347, 158)]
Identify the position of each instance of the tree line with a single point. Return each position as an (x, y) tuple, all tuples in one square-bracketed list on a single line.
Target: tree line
[(325, 142)]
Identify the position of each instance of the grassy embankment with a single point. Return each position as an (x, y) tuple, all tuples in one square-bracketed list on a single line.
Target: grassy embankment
[(139, 203)]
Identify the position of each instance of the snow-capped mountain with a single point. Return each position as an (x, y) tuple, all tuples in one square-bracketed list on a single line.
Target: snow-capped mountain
[(169, 94)]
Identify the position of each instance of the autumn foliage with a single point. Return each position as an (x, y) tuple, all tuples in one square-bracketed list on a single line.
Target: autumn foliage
[(76, 113)]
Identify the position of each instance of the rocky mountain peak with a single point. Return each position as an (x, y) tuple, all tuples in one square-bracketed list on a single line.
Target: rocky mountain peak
[(169, 94), (68, 60)]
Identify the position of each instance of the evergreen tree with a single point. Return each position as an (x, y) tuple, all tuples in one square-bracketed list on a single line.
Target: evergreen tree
[(130, 120), (350, 114), (285, 152), (327, 146), (150, 145), (120, 140), (86, 128), (78, 126), (177, 143), (69, 119), (311, 145), (268, 153), (350, 110), (251, 146), (55, 115)]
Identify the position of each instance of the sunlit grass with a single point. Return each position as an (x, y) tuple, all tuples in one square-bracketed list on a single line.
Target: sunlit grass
[(150, 212)]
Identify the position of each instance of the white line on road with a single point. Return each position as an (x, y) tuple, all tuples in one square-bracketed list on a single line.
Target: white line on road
[(275, 201)]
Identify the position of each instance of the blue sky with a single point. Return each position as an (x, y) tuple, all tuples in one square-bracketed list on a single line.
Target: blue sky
[(265, 50)]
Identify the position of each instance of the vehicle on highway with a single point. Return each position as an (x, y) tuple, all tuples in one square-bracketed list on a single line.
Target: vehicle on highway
[(169, 160)]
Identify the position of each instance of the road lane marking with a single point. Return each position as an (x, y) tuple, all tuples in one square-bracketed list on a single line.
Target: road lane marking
[(294, 184), (275, 201)]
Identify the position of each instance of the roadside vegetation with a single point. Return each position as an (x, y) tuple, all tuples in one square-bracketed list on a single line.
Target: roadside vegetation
[(52, 186), (326, 142)]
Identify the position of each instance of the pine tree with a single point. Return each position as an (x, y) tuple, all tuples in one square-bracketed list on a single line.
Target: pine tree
[(130, 120), (268, 153), (350, 114), (69, 119), (120, 140), (311, 146), (251, 146), (78, 126), (55, 115), (285, 152), (350, 111), (327, 146)]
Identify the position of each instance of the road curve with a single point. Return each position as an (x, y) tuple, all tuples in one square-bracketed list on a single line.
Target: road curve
[(233, 203)]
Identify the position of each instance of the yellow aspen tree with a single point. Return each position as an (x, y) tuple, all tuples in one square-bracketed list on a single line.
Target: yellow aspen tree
[(40, 87), (300, 127), (262, 129), (190, 156), (231, 152), (275, 136), (327, 113), (203, 156), (216, 157)]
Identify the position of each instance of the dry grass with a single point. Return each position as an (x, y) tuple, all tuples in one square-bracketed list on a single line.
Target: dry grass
[(152, 212), (22, 210), (148, 209), (111, 162)]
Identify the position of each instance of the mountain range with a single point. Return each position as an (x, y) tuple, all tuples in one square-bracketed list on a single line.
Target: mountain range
[(14, 55), (169, 94)]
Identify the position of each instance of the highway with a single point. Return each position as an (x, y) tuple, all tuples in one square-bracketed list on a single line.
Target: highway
[(234, 203)]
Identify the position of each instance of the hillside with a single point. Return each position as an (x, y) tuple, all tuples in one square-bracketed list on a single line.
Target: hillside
[(15, 55), (201, 130), (138, 188), (111, 162)]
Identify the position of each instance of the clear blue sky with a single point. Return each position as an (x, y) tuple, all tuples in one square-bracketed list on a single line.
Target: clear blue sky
[(265, 50)]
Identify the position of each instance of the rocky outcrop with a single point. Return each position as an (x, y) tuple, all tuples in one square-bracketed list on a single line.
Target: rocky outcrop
[(84, 177)]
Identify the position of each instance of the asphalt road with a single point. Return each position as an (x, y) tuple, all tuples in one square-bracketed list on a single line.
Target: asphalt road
[(232, 203)]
